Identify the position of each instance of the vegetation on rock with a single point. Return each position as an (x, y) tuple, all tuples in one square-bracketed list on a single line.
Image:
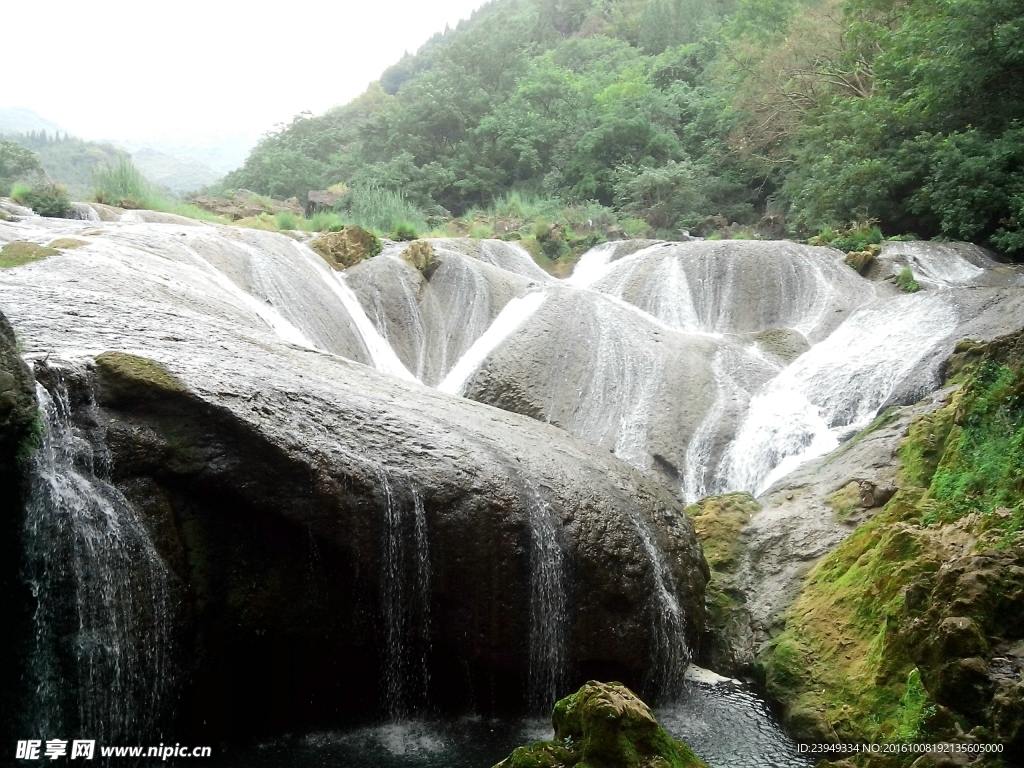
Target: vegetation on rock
[(16, 253), (604, 725), (349, 246), (911, 629)]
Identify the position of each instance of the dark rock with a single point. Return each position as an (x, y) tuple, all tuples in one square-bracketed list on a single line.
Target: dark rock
[(322, 200)]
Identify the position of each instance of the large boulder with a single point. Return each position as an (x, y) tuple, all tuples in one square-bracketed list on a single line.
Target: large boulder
[(347, 542)]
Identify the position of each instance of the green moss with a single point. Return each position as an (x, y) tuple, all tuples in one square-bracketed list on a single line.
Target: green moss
[(604, 725), (125, 377), (847, 663), (67, 243), (717, 521), (18, 253)]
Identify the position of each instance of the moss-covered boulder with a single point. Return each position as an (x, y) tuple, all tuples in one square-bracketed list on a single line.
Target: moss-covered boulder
[(861, 260), (420, 255), (348, 247), (604, 725)]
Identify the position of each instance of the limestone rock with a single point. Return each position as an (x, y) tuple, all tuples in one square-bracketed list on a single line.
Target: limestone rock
[(348, 247), (604, 725), (420, 255)]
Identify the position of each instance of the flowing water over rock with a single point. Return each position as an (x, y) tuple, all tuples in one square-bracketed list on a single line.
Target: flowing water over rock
[(96, 580), (292, 395)]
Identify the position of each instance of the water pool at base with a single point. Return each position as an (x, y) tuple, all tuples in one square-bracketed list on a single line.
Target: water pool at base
[(725, 724)]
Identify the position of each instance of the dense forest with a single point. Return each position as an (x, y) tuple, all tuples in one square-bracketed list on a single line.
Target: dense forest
[(684, 112)]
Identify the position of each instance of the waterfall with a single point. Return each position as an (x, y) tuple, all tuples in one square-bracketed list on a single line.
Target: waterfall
[(834, 389), (83, 212), (548, 605), (101, 664), (405, 601), (666, 674)]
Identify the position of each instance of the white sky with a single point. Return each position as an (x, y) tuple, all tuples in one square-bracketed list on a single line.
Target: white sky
[(140, 68)]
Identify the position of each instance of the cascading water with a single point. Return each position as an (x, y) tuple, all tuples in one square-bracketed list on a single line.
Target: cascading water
[(101, 665), (548, 605), (405, 601), (835, 388), (667, 673)]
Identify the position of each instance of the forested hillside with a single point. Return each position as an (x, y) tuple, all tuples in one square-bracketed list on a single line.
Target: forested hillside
[(674, 111), (69, 160)]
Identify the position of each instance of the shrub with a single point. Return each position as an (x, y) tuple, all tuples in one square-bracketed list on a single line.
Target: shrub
[(48, 200), (905, 280), (322, 221), (404, 232), (286, 220), (380, 209), (553, 248), (19, 192), (124, 185)]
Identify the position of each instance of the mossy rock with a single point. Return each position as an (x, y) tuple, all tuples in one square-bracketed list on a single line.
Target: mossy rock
[(18, 253), (860, 260), (717, 521), (604, 725), (126, 378), (421, 256), (67, 243), (348, 247)]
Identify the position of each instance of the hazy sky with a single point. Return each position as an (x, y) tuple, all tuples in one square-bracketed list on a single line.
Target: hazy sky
[(132, 70)]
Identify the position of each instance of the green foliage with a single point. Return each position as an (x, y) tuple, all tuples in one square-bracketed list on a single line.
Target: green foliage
[(20, 192), (47, 199), (286, 220), (906, 282), (123, 185), (17, 163), (66, 159), (380, 209), (404, 232)]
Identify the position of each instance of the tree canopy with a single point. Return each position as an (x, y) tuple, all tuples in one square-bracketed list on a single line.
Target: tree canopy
[(907, 112)]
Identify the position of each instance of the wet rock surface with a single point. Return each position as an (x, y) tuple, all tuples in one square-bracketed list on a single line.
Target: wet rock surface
[(273, 478)]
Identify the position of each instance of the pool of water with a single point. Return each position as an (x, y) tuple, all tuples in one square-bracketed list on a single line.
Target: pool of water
[(724, 723)]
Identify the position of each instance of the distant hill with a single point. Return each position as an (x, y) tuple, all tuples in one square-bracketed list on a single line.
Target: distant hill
[(20, 120), (177, 174)]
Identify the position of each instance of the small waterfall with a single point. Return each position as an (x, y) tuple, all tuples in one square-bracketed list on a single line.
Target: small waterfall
[(592, 266), (548, 606), (667, 672), (83, 212), (405, 601), (508, 321), (101, 664)]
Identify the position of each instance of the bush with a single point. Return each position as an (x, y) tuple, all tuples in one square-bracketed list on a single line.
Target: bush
[(19, 192), (48, 200), (404, 232), (906, 282), (324, 222), (286, 220), (380, 209)]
